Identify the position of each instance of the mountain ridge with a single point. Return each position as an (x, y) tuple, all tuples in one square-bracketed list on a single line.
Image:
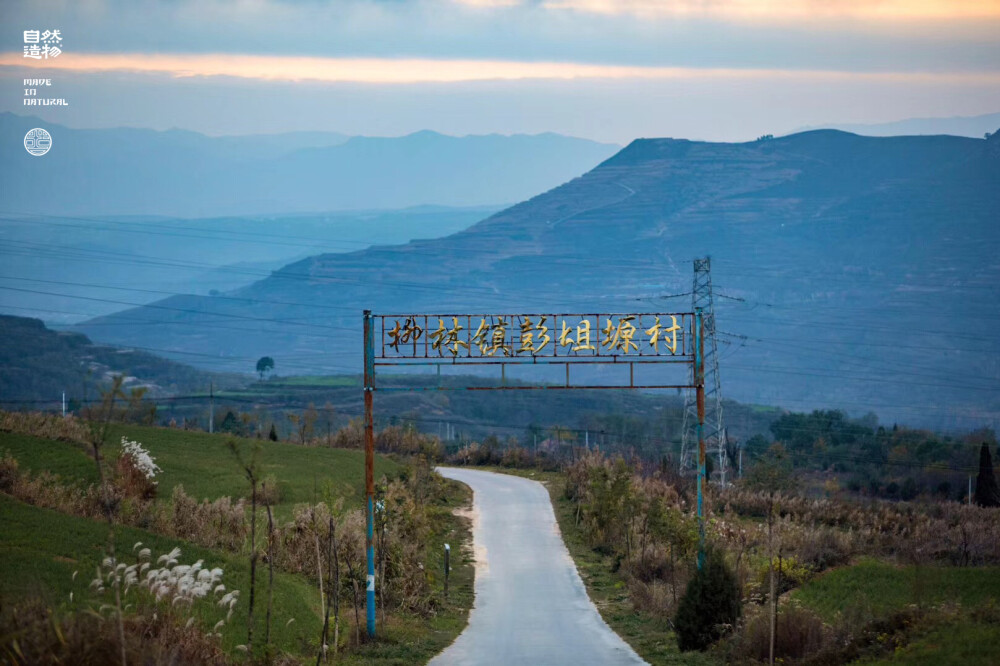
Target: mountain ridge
[(967, 126), (180, 173), (808, 233)]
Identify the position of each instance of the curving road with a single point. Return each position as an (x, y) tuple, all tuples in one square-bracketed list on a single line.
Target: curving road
[(531, 606)]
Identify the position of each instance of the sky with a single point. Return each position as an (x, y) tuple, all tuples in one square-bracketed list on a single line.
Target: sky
[(610, 70)]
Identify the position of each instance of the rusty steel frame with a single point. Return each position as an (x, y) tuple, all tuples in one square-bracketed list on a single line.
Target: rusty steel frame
[(696, 358)]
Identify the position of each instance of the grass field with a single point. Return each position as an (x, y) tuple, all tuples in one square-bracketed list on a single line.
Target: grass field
[(34, 454), (311, 380), (881, 588), (207, 469), (41, 549), (955, 644)]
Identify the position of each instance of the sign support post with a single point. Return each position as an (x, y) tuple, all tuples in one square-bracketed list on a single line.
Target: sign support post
[(369, 333)]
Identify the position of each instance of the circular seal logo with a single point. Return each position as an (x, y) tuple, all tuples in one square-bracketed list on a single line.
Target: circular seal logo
[(37, 141)]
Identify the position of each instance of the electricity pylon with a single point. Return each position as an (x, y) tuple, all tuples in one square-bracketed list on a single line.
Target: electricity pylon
[(714, 433)]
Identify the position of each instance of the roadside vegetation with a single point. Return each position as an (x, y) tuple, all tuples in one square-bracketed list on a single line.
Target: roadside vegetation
[(818, 555), (844, 579), (189, 548)]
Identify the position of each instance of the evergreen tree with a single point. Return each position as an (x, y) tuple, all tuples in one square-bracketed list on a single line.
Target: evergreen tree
[(231, 424), (273, 435), (987, 493), (710, 604)]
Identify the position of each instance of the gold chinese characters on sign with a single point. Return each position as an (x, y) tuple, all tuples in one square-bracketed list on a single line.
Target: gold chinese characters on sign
[(509, 336)]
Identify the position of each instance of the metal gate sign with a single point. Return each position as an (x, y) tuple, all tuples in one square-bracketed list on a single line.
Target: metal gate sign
[(627, 340), (532, 339)]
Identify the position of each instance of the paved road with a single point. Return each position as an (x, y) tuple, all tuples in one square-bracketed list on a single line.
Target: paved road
[(531, 606)]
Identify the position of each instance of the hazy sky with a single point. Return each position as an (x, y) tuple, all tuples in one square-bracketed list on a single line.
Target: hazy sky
[(606, 69)]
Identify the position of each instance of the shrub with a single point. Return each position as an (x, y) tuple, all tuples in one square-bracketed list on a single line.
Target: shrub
[(47, 636), (135, 471), (798, 633), (9, 472), (269, 492), (823, 548), (48, 426), (789, 571), (709, 607)]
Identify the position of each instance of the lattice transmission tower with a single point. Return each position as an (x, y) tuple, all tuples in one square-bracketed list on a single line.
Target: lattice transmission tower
[(714, 432)]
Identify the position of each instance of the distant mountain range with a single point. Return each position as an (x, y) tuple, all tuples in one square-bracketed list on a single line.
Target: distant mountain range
[(179, 173), (971, 126), (68, 269), (849, 271)]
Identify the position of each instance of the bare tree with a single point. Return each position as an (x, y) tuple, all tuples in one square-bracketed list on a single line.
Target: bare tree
[(99, 429), (270, 570), (773, 475), (250, 469)]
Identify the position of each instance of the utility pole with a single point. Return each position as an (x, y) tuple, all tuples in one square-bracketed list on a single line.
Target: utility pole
[(714, 431), (211, 407), (369, 332), (64, 404)]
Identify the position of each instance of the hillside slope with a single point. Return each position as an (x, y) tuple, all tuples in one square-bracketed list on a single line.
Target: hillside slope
[(38, 364), (852, 271)]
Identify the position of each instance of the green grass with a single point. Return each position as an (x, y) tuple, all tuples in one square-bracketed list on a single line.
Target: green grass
[(207, 469), (310, 380), (34, 454), (958, 644), (882, 588), (42, 548), (651, 637)]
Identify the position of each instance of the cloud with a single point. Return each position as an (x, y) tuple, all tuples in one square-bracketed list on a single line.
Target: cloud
[(890, 35), (780, 11), (417, 70), (618, 110)]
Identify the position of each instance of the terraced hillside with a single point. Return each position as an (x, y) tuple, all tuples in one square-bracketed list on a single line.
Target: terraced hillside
[(855, 272)]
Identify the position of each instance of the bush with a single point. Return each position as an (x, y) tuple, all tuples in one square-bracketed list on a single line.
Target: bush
[(789, 572), (47, 636), (798, 633), (709, 607)]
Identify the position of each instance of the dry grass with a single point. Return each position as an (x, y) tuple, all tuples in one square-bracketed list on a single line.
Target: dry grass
[(44, 424), (829, 532), (35, 635), (798, 633)]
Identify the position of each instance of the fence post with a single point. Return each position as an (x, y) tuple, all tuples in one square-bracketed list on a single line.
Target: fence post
[(447, 568)]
